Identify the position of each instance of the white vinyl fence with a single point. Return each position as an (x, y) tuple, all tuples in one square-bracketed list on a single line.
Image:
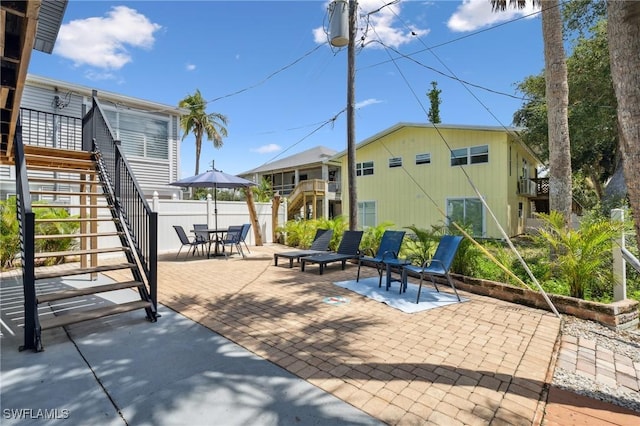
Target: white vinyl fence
[(188, 212)]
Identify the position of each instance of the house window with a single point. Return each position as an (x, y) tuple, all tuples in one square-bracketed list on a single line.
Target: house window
[(141, 135), (367, 213), (423, 159), (479, 154), (472, 155), (395, 162), (363, 169), (467, 212)]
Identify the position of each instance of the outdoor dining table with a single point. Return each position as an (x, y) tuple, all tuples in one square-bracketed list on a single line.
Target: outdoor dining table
[(399, 264), (219, 237)]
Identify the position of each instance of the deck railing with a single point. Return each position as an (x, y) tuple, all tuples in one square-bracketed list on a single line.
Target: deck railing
[(50, 130), (139, 222), (27, 225)]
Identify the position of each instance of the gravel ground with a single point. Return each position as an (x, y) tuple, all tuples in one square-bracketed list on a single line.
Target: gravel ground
[(626, 342)]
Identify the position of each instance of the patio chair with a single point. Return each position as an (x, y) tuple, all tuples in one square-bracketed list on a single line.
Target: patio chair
[(389, 249), (201, 231), (319, 245), (437, 266), (243, 235), (231, 239), (348, 249), (184, 239)]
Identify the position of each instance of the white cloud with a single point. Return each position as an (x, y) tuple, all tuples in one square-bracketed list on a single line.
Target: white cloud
[(98, 76), (383, 25), (474, 14), (266, 149), (102, 42), (190, 67), (367, 102)]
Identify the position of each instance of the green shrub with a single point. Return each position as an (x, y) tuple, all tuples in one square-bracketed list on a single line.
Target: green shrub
[(10, 238), (55, 228), (372, 236), (420, 244), (582, 257)]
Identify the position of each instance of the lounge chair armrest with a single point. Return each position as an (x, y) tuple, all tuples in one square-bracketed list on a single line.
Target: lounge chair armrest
[(389, 254)]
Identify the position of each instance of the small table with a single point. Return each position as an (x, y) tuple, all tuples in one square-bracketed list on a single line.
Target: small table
[(219, 235), (399, 264)]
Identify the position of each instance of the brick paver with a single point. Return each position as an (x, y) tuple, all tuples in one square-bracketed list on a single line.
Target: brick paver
[(484, 361), (469, 363)]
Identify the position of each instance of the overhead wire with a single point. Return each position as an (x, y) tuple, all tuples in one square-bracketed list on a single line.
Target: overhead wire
[(473, 186)]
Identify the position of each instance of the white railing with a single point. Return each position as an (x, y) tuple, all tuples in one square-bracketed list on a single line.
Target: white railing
[(527, 187)]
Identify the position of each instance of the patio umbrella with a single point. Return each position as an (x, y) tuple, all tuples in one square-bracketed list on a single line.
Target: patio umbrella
[(213, 179)]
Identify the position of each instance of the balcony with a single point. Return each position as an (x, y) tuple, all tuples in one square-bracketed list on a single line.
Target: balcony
[(533, 188)]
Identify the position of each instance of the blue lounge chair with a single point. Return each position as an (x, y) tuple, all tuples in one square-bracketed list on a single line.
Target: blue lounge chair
[(437, 266), (185, 241), (319, 245), (243, 235), (349, 249), (231, 239), (389, 249)]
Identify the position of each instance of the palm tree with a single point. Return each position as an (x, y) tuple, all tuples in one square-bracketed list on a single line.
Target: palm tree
[(557, 94), (198, 122), (624, 44)]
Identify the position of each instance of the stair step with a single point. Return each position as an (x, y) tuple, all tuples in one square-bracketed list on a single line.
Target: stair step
[(97, 234), (69, 206), (57, 152), (46, 160), (43, 255), (81, 271), (64, 181), (77, 219), (68, 294), (73, 318), (61, 169), (76, 193)]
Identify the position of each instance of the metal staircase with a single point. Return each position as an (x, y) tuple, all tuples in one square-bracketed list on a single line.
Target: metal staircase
[(117, 231)]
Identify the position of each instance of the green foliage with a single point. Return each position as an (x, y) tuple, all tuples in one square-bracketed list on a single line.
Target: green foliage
[(300, 233), (198, 122), (420, 244), (592, 109), (372, 236), (338, 225), (466, 260), (582, 256), (433, 115), (9, 239), (55, 228), (263, 192)]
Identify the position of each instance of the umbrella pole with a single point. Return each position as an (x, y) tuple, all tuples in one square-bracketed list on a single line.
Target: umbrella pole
[(215, 205)]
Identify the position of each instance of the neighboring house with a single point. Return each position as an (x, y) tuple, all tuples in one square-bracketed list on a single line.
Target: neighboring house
[(308, 180), (414, 174), (51, 112)]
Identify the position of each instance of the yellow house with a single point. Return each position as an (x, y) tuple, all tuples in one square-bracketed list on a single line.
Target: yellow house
[(425, 174)]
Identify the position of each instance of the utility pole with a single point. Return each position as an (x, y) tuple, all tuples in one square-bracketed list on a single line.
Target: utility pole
[(351, 121)]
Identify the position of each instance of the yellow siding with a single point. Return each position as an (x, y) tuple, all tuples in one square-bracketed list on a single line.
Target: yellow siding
[(416, 194)]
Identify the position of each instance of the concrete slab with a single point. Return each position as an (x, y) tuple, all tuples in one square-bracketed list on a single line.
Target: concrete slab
[(128, 371)]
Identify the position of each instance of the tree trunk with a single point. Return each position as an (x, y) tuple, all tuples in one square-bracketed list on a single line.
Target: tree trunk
[(624, 54), (198, 149), (557, 94)]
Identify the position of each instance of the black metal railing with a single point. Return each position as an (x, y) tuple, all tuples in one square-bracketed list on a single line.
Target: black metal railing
[(27, 225), (50, 130), (121, 187)]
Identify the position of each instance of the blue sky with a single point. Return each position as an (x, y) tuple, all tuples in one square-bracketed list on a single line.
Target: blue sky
[(267, 66)]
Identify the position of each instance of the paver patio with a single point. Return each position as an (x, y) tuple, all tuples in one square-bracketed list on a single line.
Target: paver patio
[(478, 362)]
